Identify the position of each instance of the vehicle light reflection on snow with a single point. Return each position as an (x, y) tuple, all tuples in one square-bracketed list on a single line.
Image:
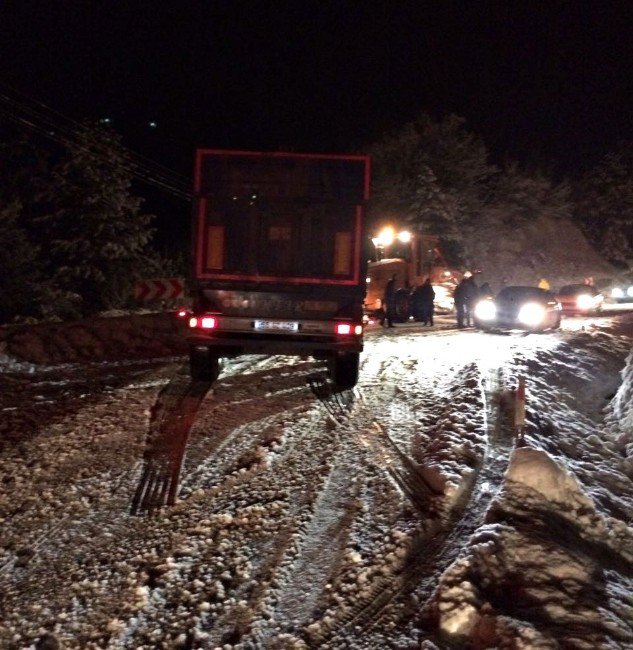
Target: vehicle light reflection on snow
[(578, 324)]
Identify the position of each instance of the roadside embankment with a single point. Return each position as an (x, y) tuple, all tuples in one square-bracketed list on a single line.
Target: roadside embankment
[(131, 336)]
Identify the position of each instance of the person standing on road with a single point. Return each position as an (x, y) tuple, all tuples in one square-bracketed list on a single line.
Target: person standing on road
[(427, 298), (389, 301), (466, 293), (485, 291)]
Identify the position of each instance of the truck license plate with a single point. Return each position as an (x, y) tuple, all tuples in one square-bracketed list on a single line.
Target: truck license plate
[(283, 325)]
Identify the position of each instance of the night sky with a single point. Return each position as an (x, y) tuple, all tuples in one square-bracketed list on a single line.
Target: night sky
[(542, 82)]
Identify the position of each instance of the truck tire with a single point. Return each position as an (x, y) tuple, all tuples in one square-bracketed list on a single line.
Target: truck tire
[(403, 306), (345, 370), (203, 365)]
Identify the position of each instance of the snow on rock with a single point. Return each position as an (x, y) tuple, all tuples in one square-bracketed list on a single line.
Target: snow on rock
[(537, 470), (458, 614)]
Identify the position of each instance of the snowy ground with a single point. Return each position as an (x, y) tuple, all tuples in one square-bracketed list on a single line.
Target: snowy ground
[(406, 514)]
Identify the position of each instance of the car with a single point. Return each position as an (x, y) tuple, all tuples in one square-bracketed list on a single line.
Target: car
[(519, 307), (620, 290), (579, 299)]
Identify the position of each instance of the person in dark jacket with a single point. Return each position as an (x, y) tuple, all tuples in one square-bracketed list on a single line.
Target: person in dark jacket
[(389, 301), (416, 303), (485, 291), (465, 295), (426, 299)]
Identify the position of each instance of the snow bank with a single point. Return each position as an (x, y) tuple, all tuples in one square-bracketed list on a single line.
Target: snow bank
[(537, 470), (622, 406), (130, 336)]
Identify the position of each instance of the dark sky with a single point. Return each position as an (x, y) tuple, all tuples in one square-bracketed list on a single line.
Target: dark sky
[(545, 82)]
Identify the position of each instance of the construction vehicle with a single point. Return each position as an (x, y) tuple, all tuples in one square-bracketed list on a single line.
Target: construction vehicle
[(412, 257), (278, 262)]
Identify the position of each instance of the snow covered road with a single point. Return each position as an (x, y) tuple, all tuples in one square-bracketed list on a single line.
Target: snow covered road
[(408, 517)]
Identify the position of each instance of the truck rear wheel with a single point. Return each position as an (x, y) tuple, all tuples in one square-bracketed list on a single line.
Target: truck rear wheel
[(403, 306), (203, 365), (344, 370)]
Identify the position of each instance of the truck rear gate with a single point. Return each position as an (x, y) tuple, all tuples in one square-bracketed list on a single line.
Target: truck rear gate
[(278, 258)]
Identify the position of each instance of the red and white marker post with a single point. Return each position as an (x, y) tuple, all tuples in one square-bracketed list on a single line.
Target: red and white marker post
[(519, 409)]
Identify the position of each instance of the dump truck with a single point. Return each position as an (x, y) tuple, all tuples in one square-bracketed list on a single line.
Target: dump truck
[(411, 257), (278, 259)]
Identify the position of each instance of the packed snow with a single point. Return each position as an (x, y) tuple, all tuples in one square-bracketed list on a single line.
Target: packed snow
[(411, 512)]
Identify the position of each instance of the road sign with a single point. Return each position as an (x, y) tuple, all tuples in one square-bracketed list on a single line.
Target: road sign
[(159, 289)]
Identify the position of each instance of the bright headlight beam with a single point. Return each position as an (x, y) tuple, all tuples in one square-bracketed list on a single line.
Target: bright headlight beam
[(485, 310), (531, 314), (584, 301)]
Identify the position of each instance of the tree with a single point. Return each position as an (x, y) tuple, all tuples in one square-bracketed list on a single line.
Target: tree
[(433, 175), (18, 266), (518, 197), (96, 238), (604, 205), (23, 170)]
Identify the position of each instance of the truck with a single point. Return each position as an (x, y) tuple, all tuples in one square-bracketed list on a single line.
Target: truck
[(278, 259), (411, 257)]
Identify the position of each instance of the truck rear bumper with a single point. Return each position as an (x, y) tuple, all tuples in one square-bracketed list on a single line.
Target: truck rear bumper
[(228, 346)]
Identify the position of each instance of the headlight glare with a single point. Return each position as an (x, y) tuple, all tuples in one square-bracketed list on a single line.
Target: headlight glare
[(629, 292), (485, 310), (531, 314), (584, 301), (616, 292)]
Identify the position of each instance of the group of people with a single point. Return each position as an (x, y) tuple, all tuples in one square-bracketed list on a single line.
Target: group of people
[(465, 295), (422, 302)]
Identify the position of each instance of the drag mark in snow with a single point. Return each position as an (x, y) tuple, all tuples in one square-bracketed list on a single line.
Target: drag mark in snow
[(337, 403), (172, 418)]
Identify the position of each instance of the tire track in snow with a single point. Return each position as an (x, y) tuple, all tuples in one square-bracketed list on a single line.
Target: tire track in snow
[(435, 548), (319, 550)]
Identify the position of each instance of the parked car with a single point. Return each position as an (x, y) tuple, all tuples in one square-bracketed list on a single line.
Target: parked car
[(619, 290), (579, 299), (519, 307)]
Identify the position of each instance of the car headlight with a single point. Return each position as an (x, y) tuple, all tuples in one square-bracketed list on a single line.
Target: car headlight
[(629, 292), (584, 301), (616, 292), (485, 310), (531, 314)]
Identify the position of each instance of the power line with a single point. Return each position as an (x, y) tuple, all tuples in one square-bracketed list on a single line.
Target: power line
[(67, 132), (53, 118), (71, 139)]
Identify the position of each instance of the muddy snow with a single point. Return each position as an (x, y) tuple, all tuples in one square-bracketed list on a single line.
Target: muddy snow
[(407, 513)]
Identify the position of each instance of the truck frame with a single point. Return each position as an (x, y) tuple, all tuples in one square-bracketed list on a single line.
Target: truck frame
[(278, 259)]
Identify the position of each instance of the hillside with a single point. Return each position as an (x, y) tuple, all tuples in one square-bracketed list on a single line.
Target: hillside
[(547, 248)]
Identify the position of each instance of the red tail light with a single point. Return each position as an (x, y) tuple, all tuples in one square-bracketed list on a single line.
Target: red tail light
[(204, 322), (345, 329), (209, 323)]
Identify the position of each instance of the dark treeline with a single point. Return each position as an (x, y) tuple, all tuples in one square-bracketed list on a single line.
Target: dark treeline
[(75, 234), (436, 175)]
